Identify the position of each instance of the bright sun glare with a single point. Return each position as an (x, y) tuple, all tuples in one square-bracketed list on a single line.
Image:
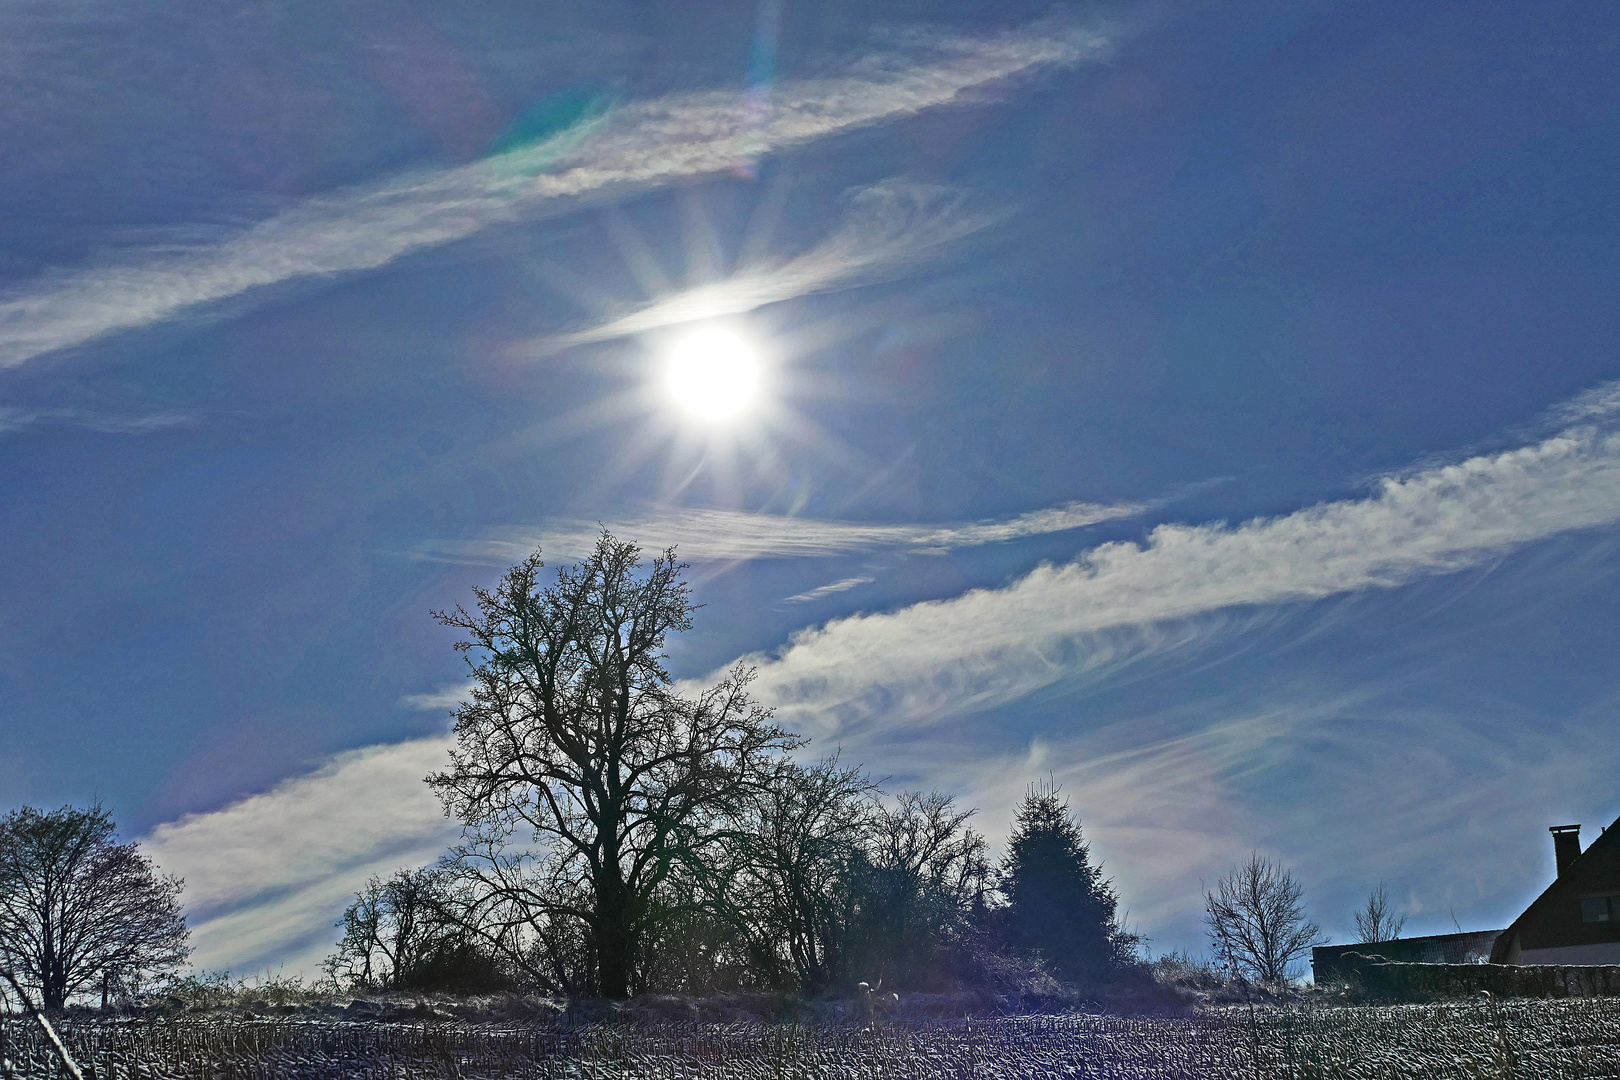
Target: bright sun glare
[(713, 373)]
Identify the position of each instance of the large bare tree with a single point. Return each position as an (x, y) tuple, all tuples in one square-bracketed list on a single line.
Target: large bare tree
[(77, 908), (575, 733)]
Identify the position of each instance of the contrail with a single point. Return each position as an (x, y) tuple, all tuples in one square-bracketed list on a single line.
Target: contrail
[(634, 147)]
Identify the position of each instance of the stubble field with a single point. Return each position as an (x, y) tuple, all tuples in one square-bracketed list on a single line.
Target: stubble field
[(1565, 1040)]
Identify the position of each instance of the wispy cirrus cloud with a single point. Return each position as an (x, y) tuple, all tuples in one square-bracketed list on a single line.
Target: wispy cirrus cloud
[(641, 144), (892, 226), (830, 589), (990, 646), (12, 419), (445, 698), (707, 535)]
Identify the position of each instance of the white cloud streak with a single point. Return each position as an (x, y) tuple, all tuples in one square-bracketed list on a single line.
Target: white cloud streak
[(893, 225), (445, 697), (278, 868), (14, 419), (642, 144), (990, 646), (730, 535), (830, 589)]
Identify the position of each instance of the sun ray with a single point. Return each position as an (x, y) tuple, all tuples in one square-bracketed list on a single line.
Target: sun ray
[(570, 283), (760, 232), (637, 254), (705, 261)]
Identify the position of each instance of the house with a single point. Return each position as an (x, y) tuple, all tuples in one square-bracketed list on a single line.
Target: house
[(1577, 919)]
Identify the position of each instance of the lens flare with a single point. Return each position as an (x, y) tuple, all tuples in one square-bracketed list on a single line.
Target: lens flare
[(713, 373)]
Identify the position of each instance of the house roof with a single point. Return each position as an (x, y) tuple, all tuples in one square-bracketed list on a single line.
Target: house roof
[(1603, 854)]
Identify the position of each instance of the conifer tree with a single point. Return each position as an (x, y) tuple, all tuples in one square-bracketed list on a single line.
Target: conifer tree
[(1059, 905)]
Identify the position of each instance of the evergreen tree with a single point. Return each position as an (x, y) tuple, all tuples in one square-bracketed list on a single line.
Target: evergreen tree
[(1059, 905)]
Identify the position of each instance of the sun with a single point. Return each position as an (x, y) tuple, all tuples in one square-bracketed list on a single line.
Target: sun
[(713, 373)]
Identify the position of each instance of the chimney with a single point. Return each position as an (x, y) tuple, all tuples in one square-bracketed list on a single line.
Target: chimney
[(1566, 845)]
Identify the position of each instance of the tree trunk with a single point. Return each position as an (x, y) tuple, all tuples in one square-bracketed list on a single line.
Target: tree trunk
[(613, 941), (53, 993), (52, 983)]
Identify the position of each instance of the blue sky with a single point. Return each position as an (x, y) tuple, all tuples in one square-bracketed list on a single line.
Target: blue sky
[(1213, 406)]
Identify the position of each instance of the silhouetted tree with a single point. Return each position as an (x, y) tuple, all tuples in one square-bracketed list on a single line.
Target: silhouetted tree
[(522, 915), (921, 877), (793, 880), (575, 734), (1378, 921), (1058, 903), (78, 909), (1256, 921), (411, 931)]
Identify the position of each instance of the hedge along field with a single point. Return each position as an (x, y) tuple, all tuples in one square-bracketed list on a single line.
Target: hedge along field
[(1565, 1040)]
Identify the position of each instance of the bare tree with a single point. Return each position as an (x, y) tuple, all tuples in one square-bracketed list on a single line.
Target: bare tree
[(527, 910), (925, 876), (77, 908), (923, 845), (575, 733), (797, 857), (409, 931), (1256, 921), (1378, 921)]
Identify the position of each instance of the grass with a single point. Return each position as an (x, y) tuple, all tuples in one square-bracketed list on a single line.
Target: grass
[(1563, 1039)]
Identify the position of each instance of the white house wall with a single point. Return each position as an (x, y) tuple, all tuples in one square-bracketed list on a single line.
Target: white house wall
[(1605, 953)]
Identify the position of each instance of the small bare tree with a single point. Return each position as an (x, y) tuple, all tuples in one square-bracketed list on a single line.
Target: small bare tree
[(924, 877), (77, 908), (796, 859), (407, 931), (1378, 921), (1256, 921)]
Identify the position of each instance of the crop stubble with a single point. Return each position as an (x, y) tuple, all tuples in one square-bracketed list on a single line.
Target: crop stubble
[(1567, 1040)]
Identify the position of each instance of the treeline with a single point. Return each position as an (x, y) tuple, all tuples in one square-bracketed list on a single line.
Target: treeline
[(824, 883), (621, 837)]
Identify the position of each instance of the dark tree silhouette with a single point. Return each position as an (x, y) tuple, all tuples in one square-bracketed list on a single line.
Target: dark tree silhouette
[(1378, 921), (409, 931), (1256, 920), (77, 908), (923, 875), (575, 734), (1058, 903), (792, 877)]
